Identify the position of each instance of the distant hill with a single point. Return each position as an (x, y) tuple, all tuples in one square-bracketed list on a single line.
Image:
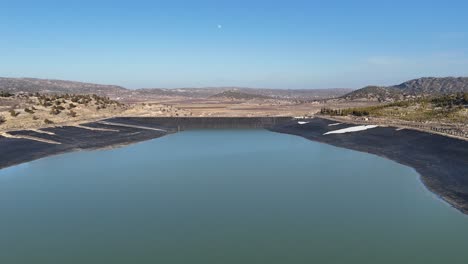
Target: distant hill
[(306, 94), (431, 85), (239, 95), (417, 87), (183, 92), (374, 93), (32, 85), (427, 86)]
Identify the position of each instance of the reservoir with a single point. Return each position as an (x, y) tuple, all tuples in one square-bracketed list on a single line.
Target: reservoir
[(224, 196)]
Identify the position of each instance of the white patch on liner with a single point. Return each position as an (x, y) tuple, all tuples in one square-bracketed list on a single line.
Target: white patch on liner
[(335, 124), (351, 129), (302, 122)]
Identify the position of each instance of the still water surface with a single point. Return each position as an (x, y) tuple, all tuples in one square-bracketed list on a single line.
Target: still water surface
[(224, 196)]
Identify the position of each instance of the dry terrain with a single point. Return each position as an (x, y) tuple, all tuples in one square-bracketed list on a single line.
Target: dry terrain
[(432, 104), (447, 114), (32, 111)]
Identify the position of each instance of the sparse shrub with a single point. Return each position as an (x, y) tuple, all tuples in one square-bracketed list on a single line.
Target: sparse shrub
[(13, 113), (2, 119), (6, 94), (48, 122), (35, 118), (451, 100), (27, 110), (46, 103), (72, 113), (54, 111)]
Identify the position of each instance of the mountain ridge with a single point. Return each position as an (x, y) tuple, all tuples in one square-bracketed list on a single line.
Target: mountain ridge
[(425, 86), (32, 85)]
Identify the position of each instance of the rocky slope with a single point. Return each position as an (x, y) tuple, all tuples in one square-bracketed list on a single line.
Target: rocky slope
[(431, 85), (32, 85), (375, 93), (427, 86)]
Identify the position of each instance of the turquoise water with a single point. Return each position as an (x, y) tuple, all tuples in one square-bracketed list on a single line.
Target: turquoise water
[(224, 196)]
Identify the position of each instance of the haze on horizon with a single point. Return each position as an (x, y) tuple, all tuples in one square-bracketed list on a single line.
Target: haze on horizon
[(293, 44)]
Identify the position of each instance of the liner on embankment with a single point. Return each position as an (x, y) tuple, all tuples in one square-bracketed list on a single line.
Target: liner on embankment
[(184, 123)]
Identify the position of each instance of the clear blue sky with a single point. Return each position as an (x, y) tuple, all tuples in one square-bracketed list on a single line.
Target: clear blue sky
[(277, 44)]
